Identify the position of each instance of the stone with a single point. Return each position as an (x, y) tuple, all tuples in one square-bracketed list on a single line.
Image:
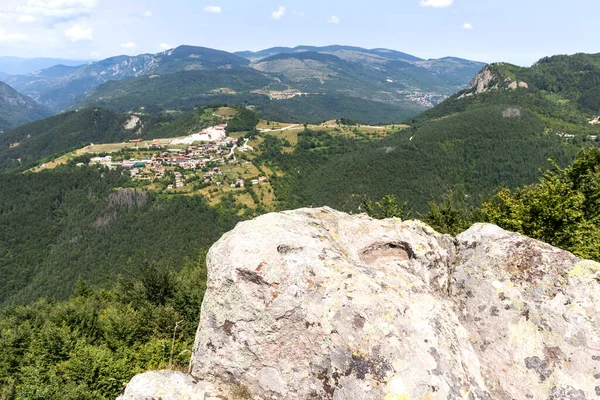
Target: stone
[(542, 339), (319, 304), (481, 82), (302, 304), (168, 385)]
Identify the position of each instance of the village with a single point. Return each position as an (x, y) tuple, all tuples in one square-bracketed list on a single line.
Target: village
[(202, 154)]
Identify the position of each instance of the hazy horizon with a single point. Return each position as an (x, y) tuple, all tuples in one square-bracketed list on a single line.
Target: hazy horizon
[(511, 31)]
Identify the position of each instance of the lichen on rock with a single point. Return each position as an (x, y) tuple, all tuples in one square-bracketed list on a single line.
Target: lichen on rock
[(318, 304)]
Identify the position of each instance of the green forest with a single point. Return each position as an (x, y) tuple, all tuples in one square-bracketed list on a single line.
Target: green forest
[(60, 225), (478, 151), (17, 109), (90, 345)]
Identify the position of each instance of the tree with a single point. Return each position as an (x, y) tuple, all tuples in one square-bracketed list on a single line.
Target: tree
[(387, 207), (451, 216), (563, 209)]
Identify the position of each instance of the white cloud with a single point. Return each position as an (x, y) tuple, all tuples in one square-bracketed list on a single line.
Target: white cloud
[(165, 46), (26, 18), (78, 32), (95, 54), (128, 45), (279, 13), (59, 8), (212, 9), (334, 19), (12, 37), (467, 26), (147, 14), (436, 3)]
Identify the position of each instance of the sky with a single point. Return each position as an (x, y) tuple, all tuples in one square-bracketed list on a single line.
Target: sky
[(516, 31)]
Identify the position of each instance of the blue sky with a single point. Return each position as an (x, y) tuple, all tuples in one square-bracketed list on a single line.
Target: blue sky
[(518, 31)]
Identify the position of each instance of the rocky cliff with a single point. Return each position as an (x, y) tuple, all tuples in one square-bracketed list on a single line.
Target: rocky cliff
[(318, 304), (493, 77)]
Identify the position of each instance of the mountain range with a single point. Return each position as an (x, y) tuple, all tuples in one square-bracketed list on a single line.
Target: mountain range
[(187, 76), (17, 109)]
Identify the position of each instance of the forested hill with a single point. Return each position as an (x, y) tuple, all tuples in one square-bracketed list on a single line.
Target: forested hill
[(17, 109), (561, 89), (53, 136), (499, 132), (31, 142), (59, 225)]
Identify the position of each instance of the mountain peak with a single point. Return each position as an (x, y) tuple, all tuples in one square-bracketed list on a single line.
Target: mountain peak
[(495, 76)]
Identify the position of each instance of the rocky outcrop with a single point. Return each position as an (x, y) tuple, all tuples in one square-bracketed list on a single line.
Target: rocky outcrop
[(318, 304), (481, 82), (169, 385), (490, 79)]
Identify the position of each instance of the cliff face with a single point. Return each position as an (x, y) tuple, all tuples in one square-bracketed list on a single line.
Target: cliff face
[(318, 304), (494, 77)]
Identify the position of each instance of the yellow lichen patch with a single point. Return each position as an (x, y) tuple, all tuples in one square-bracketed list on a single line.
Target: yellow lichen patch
[(584, 267), (524, 334), (394, 396)]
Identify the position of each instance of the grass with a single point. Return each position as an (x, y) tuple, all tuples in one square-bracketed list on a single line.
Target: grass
[(58, 161), (239, 391), (289, 135), (226, 112)]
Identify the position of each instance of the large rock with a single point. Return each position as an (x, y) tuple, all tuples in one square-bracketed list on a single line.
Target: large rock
[(533, 315), (317, 304), (168, 385)]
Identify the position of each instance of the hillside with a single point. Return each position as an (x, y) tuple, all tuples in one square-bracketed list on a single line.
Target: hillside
[(59, 225), (50, 138), (60, 91), (560, 90), (31, 142), (179, 91), (17, 109), (375, 74), (498, 132), (322, 107)]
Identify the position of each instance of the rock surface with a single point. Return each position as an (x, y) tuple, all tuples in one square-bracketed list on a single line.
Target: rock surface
[(482, 80), (168, 385), (318, 304)]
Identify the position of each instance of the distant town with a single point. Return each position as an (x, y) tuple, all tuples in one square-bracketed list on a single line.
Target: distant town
[(204, 151)]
